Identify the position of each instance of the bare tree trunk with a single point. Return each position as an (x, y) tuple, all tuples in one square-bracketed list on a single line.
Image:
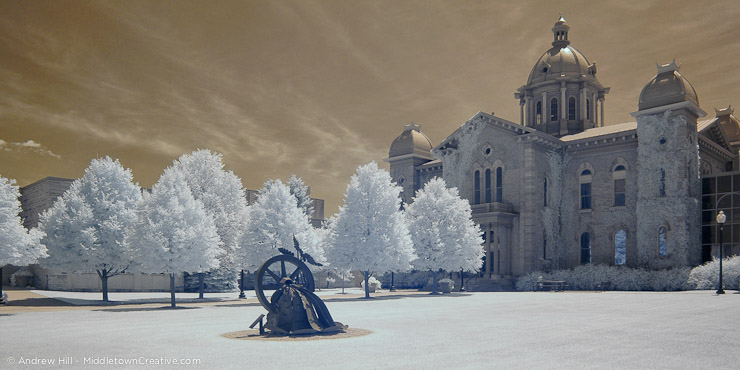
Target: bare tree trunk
[(434, 281), (172, 289), (104, 281), (367, 286), (462, 280), (201, 279), (103, 275)]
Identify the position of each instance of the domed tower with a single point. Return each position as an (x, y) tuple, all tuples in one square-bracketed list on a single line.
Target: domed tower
[(668, 183), (562, 95), (410, 149)]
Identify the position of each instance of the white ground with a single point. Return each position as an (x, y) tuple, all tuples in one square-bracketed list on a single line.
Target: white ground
[(612, 330)]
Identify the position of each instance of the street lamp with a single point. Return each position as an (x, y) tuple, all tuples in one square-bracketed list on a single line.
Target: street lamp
[(721, 218)]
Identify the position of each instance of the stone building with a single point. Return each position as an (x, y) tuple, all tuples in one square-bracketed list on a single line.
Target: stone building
[(559, 188)]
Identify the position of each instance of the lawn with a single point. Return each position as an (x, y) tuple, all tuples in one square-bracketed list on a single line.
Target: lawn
[(526, 330)]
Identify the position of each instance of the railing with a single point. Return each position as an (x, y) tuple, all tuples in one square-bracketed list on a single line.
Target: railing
[(491, 207)]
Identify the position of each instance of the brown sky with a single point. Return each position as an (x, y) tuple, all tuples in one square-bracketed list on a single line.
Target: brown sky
[(312, 87)]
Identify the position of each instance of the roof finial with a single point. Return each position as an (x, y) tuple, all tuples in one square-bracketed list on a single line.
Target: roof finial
[(412, 126), (670, 67), (724, 111), (560, 17)]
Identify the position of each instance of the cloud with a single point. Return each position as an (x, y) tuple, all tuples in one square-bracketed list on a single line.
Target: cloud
[(28, 146)]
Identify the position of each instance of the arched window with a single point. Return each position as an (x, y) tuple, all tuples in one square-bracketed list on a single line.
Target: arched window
[(585, 248), (662, 241), (554, 109), (488, 186), (499, 184), (476, 192), (585, 181), (572, 108), (620, 247), (544, 195), (588, 109), (538, 113), (619, 175)]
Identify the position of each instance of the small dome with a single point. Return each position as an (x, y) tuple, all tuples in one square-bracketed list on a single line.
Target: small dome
[(667, 87), (411, 141)]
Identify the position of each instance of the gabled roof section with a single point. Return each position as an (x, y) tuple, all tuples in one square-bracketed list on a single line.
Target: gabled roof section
[(486, 119), (714, 131)]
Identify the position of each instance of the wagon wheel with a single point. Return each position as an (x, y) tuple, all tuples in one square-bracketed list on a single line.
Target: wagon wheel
[(274, 270)]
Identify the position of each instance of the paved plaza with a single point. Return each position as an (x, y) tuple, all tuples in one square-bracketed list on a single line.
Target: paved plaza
[(410, 330)]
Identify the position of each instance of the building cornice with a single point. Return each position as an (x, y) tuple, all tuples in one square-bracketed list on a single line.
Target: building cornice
[(603, 141), (675, 106)]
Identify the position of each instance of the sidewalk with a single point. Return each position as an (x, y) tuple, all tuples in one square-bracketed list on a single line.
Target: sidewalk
[(22, 300)]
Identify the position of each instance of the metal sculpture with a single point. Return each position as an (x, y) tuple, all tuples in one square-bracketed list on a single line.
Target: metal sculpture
[(293, 308)]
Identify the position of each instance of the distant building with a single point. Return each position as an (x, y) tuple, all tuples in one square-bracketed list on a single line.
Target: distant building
[(40, 196), (559, 188)]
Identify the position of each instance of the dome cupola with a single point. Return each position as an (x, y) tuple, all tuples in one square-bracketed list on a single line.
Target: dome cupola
[(667, 87), (562, 95), (411, 142)]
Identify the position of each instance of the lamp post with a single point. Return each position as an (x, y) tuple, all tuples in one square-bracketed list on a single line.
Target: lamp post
[(721, 218)]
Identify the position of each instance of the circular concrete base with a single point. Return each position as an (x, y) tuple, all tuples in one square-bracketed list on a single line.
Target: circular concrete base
[(255, 335)]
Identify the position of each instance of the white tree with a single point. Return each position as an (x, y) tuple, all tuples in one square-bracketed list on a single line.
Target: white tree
[(370, 232), (222, 195), (275, 220), (18, 246), (173, 232), (302, 194), (442, 229), (86, 227)]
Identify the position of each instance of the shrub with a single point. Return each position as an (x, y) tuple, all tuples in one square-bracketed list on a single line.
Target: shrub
[(589, 277), (22, 272), (373, 282), (706, 276)]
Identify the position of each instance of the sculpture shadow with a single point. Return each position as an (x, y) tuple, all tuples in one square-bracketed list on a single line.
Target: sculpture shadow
[(393, 297), (37, 302)]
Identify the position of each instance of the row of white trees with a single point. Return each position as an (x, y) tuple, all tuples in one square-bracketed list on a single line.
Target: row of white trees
[(196, 219)]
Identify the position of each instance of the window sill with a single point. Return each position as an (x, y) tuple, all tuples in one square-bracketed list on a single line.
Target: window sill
[(586, 210), (618, 207)]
